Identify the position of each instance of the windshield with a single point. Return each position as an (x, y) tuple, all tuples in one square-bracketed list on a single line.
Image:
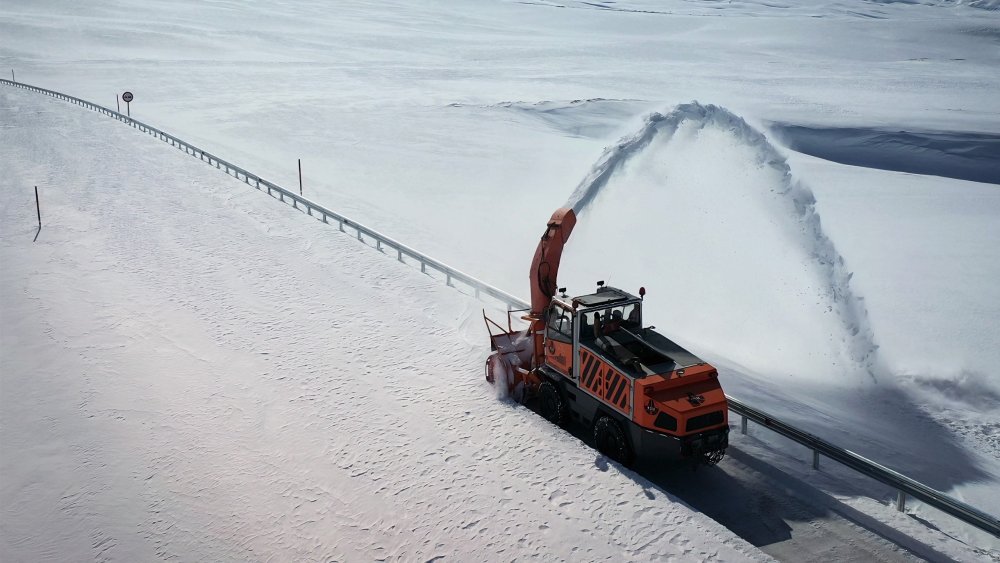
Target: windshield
[(611, 319)]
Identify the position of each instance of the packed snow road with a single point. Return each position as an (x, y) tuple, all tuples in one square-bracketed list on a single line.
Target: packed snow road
[(190, 372)]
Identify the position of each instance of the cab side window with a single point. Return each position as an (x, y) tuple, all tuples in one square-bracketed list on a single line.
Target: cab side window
[(560, 325)]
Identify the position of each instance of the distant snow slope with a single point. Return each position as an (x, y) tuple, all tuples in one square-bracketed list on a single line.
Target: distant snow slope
[(192, 372)]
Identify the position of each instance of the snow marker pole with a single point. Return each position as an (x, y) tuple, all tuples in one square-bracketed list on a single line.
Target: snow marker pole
[(12, 75), (118, 104), (300, 176), (38, 207)]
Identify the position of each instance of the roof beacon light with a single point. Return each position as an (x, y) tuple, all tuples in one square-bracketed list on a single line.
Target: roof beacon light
[(642, 292)]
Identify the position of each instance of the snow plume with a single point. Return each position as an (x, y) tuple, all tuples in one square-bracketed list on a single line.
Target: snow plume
[(737, 192), (501, 378)]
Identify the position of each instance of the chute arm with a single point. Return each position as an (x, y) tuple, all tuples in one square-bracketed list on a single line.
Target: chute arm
[(545, 265)]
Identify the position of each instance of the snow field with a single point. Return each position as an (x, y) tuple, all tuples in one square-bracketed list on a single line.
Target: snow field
[(192, 372), (459, 127)]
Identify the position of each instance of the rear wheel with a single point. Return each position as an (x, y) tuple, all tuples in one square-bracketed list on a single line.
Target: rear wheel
[(489, 370), (711, 457), (550, 404), (610, 440)]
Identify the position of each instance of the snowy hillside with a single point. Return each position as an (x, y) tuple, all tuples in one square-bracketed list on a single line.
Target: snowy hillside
[(190, 374), (832, 247)]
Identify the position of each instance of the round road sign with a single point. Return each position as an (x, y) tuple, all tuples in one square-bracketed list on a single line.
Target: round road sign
[(127, 96)]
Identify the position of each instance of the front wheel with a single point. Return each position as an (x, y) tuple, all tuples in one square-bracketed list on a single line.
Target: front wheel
[(611, 441), (550, 404)]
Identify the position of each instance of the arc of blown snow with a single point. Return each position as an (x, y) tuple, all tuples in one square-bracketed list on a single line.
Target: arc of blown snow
[(849, 307)]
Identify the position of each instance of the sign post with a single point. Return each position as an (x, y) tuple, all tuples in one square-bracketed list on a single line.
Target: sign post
[(118, 104), (127, 98), (300, 176)]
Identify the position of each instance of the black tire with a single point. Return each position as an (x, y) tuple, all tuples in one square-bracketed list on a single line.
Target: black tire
[(611, 441), (550, 404)]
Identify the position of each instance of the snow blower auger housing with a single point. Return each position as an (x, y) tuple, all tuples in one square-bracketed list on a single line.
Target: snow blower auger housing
[(589, 359)]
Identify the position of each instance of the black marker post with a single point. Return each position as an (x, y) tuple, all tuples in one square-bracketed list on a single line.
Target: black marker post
[(38, 207)]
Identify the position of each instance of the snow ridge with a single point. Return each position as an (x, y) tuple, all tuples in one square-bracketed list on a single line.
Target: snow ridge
[(797, 198)]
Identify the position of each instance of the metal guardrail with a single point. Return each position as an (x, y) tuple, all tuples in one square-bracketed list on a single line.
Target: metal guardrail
[(297, 201), (903, 485)]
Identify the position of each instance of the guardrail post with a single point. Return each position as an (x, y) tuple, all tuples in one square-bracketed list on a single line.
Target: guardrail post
[(815, 459), (359, 236), (378, 245), (900, 501), (743, 425), (341, 222), (399, 255), (448, 280), (423, 267)]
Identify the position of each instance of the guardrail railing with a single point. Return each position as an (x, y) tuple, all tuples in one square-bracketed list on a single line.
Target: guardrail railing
[(903, 485), (382, 242)]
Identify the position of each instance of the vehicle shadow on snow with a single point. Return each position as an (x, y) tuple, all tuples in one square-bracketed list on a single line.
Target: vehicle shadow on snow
[(883, 423), (758, 502)]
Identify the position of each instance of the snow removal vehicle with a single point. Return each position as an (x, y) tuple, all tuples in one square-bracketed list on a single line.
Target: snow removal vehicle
[(588, 359)]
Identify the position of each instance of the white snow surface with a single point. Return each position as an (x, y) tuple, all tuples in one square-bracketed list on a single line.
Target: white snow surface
[(191, 372), (458, 127)]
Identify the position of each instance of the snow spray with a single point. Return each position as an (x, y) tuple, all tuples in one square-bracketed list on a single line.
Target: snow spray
[(796, 197)]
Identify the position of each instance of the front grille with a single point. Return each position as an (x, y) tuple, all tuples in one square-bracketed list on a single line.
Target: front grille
[(665, 422), (704, 421)]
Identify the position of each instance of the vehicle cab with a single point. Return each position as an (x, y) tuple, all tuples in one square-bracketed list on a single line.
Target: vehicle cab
[(607, 363)]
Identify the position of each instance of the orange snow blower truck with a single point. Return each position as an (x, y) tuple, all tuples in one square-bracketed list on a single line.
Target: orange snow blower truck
[(590, 360)]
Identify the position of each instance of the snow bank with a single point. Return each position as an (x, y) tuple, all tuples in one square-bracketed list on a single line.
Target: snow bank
[(700, 168)]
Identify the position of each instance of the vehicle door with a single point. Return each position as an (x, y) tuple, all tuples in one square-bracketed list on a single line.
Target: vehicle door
[(559, 339)]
